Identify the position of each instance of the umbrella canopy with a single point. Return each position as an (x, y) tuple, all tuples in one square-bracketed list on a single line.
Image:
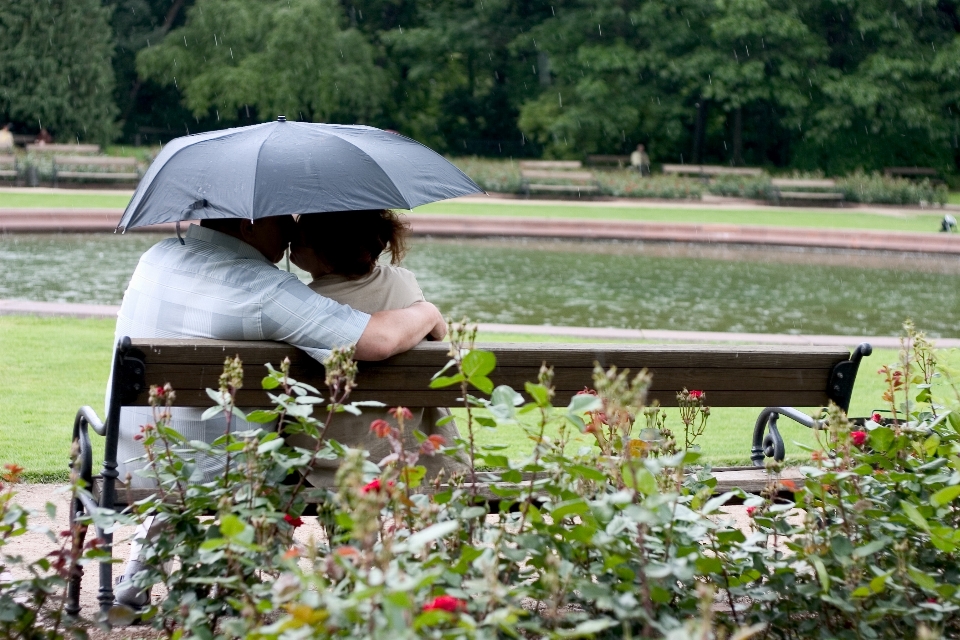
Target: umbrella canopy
[(282, 167)]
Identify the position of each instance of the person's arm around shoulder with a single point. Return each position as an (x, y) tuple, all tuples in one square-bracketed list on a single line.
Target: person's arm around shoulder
[(391, 332)]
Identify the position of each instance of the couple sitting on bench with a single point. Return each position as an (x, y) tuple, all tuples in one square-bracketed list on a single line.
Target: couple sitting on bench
[(221, 282)]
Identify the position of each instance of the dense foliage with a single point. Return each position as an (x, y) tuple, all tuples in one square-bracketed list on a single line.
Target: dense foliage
[(55, 67), (621, 539), (808, 84)]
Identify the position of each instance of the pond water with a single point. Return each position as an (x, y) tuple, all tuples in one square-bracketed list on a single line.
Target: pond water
[(626, 285)]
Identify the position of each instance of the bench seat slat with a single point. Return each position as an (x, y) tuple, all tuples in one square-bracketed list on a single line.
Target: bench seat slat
[(809, 195), (562, 187), (556, 175)]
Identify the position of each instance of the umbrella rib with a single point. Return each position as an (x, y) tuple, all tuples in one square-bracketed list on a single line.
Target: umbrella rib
[(377, 165)]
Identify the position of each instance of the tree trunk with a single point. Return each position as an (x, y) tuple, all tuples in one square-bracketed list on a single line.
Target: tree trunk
[(738, 136), (700, 132)]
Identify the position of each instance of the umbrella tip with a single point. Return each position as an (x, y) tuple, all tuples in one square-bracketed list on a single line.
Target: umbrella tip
[(281, 118)]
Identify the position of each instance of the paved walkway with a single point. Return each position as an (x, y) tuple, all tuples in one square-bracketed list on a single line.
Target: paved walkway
[(27, 307), (35, 220)]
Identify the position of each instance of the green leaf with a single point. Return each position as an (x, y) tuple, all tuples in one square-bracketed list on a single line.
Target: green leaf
[(822, 574), (538, 393), (569, 508), (921, 579), (914, 514), (434, 532), (881, 438), (446, 381), (879, 583), (231, 526), (870, 548), (583, 402), (481, 382), (643, 481), (707, 564), (269, 382), (261, 417), (479, 363), (945, 495)]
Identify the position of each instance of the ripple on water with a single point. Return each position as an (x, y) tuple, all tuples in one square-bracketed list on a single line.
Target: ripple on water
[(629, 285)]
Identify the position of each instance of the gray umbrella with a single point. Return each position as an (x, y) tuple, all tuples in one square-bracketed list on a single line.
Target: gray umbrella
[(282, 167)]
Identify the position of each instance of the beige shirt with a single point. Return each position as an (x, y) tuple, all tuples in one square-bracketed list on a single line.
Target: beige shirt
[(385, 288)]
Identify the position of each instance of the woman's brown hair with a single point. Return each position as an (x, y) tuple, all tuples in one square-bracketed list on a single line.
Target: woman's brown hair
[(350, 242)]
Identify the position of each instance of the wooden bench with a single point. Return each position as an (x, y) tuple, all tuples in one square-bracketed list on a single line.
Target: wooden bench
[(620, 161), (793, 195), (111, 168), (561, 176), (75, 149), (707, 171), (9, 167), (910, 172), (776, 378)]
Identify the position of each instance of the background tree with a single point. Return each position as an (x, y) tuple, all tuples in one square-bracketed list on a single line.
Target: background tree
[(55, 68), (276, 56)]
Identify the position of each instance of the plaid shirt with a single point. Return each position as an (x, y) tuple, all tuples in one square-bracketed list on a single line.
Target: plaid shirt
[(216, 286)]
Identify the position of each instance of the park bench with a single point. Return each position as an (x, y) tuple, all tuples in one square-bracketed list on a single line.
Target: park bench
[(708, 171), (910, 172), (776, 378), (620, 161), (806, 191), (75, 149), (556, 176), (95, 168), (9, 168)]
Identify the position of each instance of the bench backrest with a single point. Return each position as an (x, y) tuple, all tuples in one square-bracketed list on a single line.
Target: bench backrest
[(64, 148), (910, 171), (742, 376), (804, 183), (99, 161), (550, 164), (556, 175), (607, 159), (712, 170)]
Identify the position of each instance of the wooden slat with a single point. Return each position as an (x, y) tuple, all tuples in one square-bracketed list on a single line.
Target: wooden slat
[(6, 173), (435, 354), (909, 171), (96, 175), (64, 148), (562, 187), (556, 175), (711, 170), (804, 183), (96, 160), (809, 195), (607, 159), (392, 378), (550, 164)]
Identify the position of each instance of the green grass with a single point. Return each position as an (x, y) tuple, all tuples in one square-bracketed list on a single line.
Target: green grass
[(17, 199), (953, 197), (52, 366), (812, 218)]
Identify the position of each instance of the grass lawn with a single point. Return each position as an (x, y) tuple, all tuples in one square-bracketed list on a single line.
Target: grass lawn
[(953, 197), (52, 366), (17, 200), (815, 218)]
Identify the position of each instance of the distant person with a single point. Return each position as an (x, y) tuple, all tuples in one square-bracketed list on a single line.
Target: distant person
[(341, 251), (640, 161), (948, 224), (44, 137), (6, 138)]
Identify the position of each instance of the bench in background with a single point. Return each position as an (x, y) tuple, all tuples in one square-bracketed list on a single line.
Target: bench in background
[(910, 172), (776, 378), (95, 168), (620, 161), (556, 176), (789, 190), (76, 149), (707, 171)]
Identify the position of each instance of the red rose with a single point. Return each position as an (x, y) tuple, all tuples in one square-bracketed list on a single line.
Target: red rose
[(751, 511), (436, 440), (876, 418), (858, 437), (401, 412), (372, 486), (138, 437), (381, 428), (696, 395), (293, 522), (445, 603)]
